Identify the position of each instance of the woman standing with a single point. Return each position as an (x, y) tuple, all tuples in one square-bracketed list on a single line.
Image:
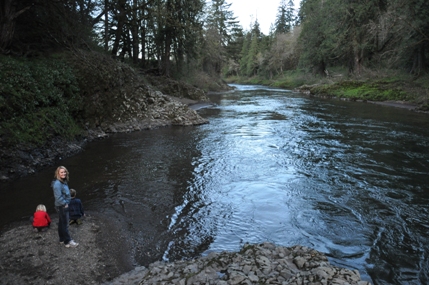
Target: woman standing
[(62, 200)]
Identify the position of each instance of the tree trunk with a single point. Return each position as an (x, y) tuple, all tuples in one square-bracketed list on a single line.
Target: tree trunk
[(135, 33), (143, 45), (166, 54), (357, 62), (106, 25), (121, 22), (7, 22), (419, 60), (320, 68), (135, 43), (168, 34)]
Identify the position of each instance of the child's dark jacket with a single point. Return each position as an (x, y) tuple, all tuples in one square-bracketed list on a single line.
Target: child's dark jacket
[(76, 209)]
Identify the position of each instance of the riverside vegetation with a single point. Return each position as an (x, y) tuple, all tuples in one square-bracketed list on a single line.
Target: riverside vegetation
[(54, 106), (374, 86), (51, 107), (71, 98), (64, 80), (58, 93)]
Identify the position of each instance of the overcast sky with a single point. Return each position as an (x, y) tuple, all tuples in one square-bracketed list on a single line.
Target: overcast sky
[(264, 10)]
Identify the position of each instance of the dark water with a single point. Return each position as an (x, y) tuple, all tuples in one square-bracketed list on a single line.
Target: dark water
[(348, 179)]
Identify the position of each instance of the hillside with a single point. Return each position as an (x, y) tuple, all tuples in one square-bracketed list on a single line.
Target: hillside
[(51, 107)]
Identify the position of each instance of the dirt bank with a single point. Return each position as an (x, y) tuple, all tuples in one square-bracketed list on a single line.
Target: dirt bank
[(38, 258)]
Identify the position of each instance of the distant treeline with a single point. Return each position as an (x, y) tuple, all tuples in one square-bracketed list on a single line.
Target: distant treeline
[(176, 35)]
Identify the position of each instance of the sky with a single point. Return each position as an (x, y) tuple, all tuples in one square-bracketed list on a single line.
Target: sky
[(265, 11)]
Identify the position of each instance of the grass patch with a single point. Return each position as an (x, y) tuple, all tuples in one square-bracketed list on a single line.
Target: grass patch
[(383, 90)]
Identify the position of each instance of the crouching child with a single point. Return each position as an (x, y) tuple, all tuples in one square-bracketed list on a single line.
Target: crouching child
[(41, 220), (75, 209)]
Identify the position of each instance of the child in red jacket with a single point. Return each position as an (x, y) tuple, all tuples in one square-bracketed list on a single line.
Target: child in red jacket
[(41, 219)]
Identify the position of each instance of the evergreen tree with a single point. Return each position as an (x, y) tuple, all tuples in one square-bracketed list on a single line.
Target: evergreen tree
[(281, 23), (285, 17), (256, 29), (244, 55), (290, 15), (314, 35), (235, 45), (252, 58), (223, 36), (415, 39), (222, 19), (301, 16), (251, 52)]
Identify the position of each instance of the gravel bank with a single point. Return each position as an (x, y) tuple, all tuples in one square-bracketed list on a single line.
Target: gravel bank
[(105, 256)]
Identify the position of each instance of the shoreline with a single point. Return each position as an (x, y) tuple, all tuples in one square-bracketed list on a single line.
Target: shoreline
[(105, 256), (21, 162), (398, 104)]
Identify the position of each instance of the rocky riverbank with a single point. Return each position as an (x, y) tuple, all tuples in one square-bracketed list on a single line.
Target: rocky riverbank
[(105, 256), (109, 97), (164, 110), (263, 263)]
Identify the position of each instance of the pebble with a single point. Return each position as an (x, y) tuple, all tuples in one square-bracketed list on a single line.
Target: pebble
[(263, 263)]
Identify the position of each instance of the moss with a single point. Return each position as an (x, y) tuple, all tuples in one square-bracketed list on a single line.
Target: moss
[(363, 90)]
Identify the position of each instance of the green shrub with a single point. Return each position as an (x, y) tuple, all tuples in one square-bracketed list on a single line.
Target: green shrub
[(38, 100)]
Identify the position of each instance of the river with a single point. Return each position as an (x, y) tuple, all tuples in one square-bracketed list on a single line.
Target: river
[(349, 179)]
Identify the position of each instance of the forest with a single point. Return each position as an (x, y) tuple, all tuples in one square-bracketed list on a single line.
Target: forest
[(361, 49), (174, 35)]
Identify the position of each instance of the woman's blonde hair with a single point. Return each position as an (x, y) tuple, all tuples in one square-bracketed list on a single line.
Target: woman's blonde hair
[(41, 207), (57, 173)]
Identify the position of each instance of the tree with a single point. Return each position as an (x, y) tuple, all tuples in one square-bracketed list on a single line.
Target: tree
[(121, 16), (315, 37), (285, 17), (352, 31), (222, 19), (281, 23), (8, 14), (244, 55), (336, 31), (160, 32), (415, 39), (301, 16), (290, 15), (251, 55), (282, 54), (222, 37)]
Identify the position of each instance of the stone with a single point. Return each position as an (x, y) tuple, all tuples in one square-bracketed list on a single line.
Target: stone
[(257, 264)]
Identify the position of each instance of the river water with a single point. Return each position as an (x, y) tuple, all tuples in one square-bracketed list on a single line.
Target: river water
[(346, 178)]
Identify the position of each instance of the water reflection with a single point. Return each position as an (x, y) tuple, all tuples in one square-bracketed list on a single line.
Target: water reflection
[(346, 178)]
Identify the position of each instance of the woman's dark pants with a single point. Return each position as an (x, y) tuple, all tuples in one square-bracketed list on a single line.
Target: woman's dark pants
[(63, 224)]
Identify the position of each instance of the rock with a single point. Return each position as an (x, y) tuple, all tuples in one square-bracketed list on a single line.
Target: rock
[(254, 264)]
